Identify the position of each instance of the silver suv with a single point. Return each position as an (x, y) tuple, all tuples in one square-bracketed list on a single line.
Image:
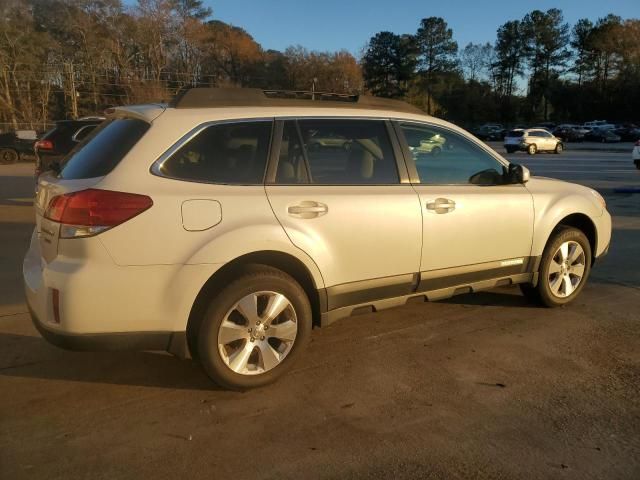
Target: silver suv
[(532, 141), (228, 223)]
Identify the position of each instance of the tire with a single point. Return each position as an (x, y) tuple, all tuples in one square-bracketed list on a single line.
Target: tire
[(510, 150), (559, 148), (549, 292), (249, 358), (532, 149), (637, 162), (8, 155)]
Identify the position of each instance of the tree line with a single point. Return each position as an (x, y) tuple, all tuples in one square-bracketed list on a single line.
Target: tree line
[(538, 69), (72, 58)]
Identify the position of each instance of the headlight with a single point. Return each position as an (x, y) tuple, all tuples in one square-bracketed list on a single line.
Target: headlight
[(600, 199)]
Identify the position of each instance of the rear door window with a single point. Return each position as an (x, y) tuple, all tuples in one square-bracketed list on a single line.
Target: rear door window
[(228, 153), (99, 154), (336, 152)]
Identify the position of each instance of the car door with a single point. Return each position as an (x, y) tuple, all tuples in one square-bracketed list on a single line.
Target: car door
[(340, 190), (473, 220)]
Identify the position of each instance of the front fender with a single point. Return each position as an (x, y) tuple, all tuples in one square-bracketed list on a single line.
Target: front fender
[(554, 201)]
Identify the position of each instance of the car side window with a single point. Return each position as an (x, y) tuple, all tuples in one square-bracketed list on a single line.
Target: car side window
[(292, 164), (83, 132), (443, 157), (337, 152), (230, 153)]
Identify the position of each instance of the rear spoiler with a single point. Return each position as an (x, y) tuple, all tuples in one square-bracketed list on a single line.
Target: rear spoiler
[(147, 113)]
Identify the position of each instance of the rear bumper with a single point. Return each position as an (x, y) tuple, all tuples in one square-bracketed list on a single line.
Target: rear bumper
[(102, 306), (105, 341)]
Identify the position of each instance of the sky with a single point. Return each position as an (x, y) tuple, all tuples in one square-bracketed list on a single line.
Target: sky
[(348, 24)]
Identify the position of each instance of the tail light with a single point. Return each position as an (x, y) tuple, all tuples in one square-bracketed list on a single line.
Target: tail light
[(89, 212), (44, 145)]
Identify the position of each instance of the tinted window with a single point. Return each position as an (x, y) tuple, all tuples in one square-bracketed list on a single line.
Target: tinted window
[(443, 157), (292, 166), (98, 154), (339, 152), (515, 133), (225, 153)]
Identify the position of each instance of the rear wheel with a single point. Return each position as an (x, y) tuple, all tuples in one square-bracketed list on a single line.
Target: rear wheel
[(8, 155), (564, 268), (532, 149), (510, 149), (254, 329)]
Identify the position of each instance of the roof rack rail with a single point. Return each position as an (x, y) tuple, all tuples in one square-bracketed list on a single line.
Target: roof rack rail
[(255, 97)]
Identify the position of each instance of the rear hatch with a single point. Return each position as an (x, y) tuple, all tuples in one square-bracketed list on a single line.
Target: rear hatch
[(84, 167), (514, 137)]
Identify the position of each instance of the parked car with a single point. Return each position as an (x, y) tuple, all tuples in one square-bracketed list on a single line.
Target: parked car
[(603, 135), (56, 144), (15, 144), (568, 134), (635, 154), (532, 141), (490, 132), (628, 133), (196, 227)]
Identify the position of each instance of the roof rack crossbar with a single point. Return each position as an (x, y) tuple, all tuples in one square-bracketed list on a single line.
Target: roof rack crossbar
[(254, 97)]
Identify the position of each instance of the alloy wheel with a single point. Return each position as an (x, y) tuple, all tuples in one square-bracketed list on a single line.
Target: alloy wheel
[(257, 333), (566, 269)]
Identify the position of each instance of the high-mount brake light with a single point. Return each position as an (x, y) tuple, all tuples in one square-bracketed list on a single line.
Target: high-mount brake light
[(89, 212)]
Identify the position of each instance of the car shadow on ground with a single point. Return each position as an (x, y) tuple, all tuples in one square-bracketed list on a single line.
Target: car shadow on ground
[(502, 297), (32, 357)]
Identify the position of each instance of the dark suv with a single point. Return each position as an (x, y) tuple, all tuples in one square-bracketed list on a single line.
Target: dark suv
[(15, 144), (59, 141)]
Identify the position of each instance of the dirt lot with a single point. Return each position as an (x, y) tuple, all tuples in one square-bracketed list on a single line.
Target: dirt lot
[(479, 386)]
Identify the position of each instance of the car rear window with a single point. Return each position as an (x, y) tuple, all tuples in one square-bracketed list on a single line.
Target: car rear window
[(515, 133), (101, 151)]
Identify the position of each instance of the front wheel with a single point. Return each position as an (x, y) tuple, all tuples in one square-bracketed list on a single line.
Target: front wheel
[(559, 148), (564, 268), (510, 149), (254, 329), (532, 149)]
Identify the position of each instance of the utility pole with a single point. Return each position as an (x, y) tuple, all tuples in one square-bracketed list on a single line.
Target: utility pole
[(313, 88)]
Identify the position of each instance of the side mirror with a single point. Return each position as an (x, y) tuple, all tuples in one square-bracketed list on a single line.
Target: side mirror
[(518, 173)]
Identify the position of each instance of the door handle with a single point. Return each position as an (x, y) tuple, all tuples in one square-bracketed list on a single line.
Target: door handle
[(308, 209), (441, 205)]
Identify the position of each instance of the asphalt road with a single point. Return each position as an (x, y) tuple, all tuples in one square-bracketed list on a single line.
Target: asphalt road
[(479, 386)]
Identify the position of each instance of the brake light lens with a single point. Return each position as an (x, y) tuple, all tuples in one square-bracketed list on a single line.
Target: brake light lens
[(89, 212), (44, 145)]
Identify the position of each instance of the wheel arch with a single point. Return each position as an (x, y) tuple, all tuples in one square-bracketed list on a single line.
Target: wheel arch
[(272, 258), (583, 223)]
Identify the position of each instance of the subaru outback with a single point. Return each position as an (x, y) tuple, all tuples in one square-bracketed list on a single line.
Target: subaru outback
[(228, 223)]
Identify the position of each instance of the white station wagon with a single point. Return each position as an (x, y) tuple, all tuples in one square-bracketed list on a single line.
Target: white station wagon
[(229, 223)]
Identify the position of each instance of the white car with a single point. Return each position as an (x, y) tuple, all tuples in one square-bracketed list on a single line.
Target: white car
[(635, 154), (532, 141), (208, 226)]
